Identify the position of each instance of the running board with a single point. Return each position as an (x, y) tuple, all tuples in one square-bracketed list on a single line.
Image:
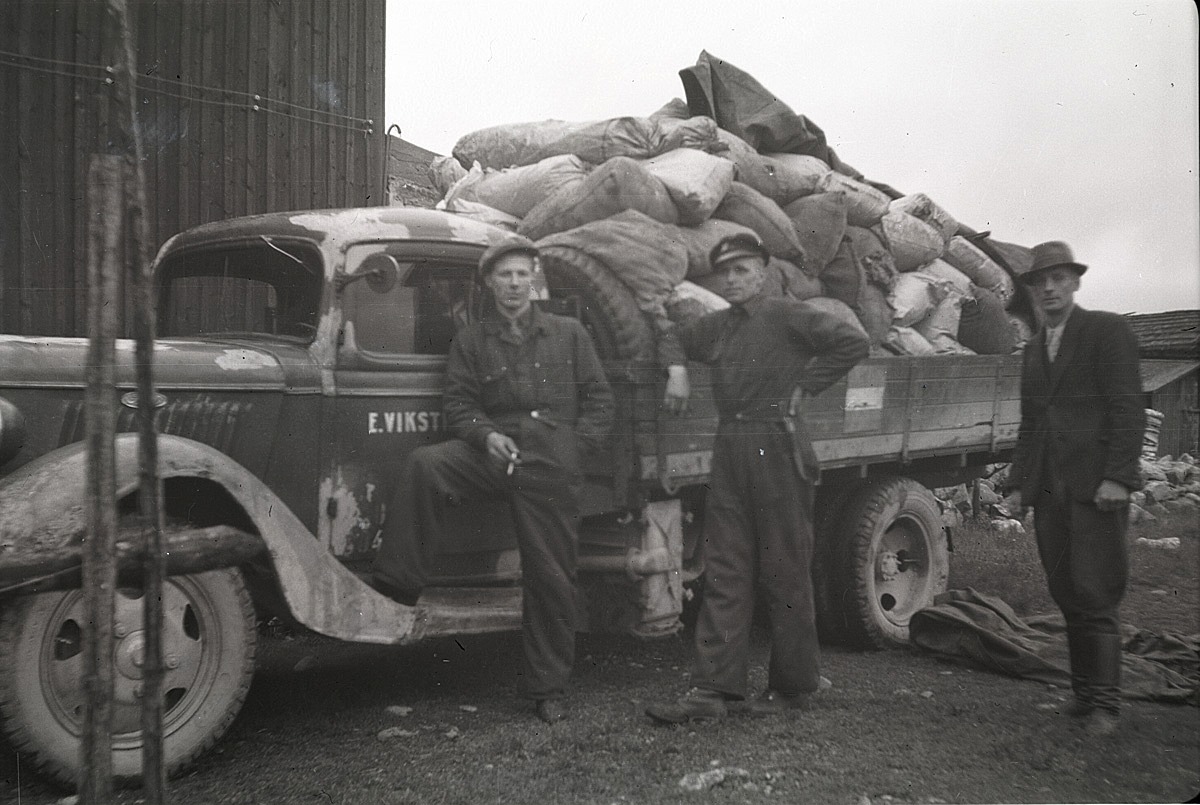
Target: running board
[(466, 610)]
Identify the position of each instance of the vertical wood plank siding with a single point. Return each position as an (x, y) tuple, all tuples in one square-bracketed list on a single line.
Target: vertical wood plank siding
[(315, 65)]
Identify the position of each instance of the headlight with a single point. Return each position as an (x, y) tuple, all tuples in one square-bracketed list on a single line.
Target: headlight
[(12, 430)]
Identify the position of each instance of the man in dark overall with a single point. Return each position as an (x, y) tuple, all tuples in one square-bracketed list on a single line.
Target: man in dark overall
[(758, 533), (523, 388), (1076, 461)]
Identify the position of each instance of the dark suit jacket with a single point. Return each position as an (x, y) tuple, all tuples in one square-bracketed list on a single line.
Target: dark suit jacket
[(1083, 415)]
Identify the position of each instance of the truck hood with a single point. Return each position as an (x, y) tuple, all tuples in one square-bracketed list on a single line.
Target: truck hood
[(209, 363)]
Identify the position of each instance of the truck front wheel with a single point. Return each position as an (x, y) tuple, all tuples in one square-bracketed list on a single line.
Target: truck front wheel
[(890, 559), (209, 640)]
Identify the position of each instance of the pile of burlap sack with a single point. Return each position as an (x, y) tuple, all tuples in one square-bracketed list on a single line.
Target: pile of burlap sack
[(648, 197)]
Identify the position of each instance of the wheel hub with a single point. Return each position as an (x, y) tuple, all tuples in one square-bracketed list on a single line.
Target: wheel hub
[(889, 565)]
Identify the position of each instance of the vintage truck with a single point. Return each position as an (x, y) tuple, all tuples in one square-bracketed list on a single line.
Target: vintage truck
[(300, 358)]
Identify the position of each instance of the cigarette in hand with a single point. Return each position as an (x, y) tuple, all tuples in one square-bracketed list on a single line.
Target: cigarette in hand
[(512, 460)]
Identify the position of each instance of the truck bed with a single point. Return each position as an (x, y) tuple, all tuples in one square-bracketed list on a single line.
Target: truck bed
[(889, 410)]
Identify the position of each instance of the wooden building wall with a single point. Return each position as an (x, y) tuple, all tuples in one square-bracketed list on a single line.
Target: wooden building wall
[(245, 106), (1179, 402)]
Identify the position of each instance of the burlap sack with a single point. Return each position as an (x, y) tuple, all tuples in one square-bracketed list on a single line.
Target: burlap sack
[(796, 175), (980, 269), (877, 263), (753, 169), (985, 326), (942, 270), (697, 181), (820, 222), (699, 241), (915, 295), (794, 282), (921, 206), (907, 341), (619, 184), (746, 206), (912, 242), (874, 311), (479, 212), (595, 141), (866, 204), (940, 327), (837, 308), (842, 277), (444, 172), (516, 191)]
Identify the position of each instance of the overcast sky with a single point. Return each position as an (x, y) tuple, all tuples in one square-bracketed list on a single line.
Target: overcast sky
[(1071, 120)]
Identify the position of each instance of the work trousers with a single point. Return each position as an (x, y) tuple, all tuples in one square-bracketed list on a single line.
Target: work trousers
[(1085, 557), (758, 538), (545, 508)]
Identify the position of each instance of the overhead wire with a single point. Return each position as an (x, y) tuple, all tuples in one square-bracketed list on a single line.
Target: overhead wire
[(255, 102)]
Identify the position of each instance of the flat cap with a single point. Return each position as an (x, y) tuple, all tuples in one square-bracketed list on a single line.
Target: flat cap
[(1051, 254), (743, 244), (506, 245)]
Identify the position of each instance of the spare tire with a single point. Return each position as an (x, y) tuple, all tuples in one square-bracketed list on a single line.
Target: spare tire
[(602, 302)]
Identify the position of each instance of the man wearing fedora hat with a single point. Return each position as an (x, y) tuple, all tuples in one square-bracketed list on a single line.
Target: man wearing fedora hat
[(523, 388), (1076, 462), (758, 532)]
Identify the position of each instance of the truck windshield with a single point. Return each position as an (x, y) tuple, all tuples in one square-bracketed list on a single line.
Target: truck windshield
[(270, 288)]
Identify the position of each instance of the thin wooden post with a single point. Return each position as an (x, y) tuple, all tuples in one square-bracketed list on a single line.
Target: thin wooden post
[(127, 138), (104, 194)]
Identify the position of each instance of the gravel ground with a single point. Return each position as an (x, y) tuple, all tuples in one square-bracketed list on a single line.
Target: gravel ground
[(898, 726)]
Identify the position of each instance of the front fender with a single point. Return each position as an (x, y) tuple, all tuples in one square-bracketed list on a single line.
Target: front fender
[(44, 507)]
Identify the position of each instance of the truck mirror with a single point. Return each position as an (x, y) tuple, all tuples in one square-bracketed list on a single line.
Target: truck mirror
[(381, 271)]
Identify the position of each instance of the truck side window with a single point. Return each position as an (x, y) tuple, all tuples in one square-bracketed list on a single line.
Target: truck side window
[(265, 288), (419, 316)]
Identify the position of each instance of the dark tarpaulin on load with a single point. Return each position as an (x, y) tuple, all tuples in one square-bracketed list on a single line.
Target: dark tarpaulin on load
[(982, 631), (742, 106)]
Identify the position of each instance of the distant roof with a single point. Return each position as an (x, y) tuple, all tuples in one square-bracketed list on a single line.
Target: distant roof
[(408, 173), (1156, 374), (1175, 334)]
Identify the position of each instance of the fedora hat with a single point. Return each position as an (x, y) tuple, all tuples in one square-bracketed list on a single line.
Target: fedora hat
[(1051, 254)]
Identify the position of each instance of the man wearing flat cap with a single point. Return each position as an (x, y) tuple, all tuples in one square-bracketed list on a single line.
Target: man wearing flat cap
[(766, 354), (523, 388), (1076, 462)]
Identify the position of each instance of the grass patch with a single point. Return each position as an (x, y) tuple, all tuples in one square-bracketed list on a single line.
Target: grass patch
[(1163, 594)]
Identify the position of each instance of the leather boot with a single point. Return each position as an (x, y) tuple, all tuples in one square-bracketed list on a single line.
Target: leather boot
[(1105, 684), (1077, 652)]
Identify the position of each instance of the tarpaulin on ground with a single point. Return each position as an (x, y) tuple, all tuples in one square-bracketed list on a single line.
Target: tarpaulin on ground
[(982, 631)]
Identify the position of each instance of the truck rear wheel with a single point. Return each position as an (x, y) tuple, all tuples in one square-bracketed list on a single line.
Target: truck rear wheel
[(891, 559), (209, 639), (607, 307)]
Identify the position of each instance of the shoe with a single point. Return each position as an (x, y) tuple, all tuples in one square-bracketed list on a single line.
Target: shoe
[(1102, 724), (551, 711), (696, 704)]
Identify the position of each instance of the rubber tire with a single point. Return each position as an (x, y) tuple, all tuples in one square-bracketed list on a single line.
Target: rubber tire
[(880, 518), (41, 727), (607, 308)]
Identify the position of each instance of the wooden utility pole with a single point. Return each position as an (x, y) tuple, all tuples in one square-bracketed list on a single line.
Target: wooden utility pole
[(104, 194), (120, 231)]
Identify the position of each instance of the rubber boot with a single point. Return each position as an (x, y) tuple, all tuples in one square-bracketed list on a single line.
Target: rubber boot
[(1081, 665), (1105, 685)]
